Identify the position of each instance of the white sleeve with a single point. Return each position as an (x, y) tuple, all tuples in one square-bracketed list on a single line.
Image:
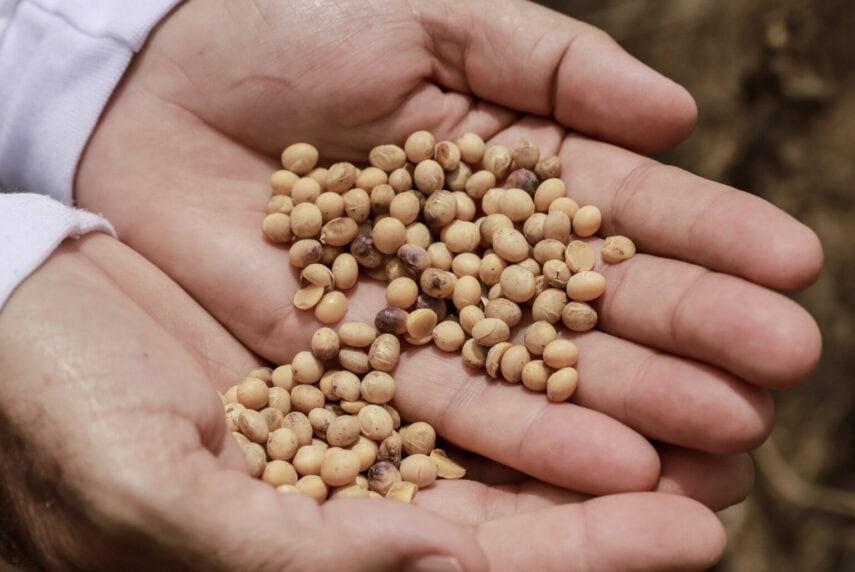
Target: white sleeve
[(60, 60)]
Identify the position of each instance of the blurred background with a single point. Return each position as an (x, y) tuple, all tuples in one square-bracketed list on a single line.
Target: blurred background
[(775, 86)]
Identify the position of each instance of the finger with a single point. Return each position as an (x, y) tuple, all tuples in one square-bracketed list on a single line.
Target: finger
[(756, 334), (669, 398), (717, 481), (529, 58), (673, 213)]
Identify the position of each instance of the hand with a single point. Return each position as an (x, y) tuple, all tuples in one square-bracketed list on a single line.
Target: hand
[(115, 455)]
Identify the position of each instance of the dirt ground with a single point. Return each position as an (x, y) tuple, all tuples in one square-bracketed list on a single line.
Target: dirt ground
[(775, 85)]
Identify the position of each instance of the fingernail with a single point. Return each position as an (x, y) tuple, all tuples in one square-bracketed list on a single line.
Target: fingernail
[(434, 564)]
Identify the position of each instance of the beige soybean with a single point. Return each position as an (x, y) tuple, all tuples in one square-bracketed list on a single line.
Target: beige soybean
[(354, 360), (357, 204), (280, 398), (345, 270), (447, 154), (305, 190), (579, 256), (317, 275), (440, 209), (565, 204), (418, 469), (387, 157), (341, 177), (375, 422), (562, 384), (512, 363), (490, 224), (385, 352), (479, 183), (557, 225), (299, 158), (428, 176), (469, 316), (518, 283), (381, 199), (461, 236), (494, 358), (421, 322), (471, 147), (282, 180), (343, 431), (418, 438), (274, 418), (389, 234), (466, 264), (586, 286), (406, 207), (510, 244), (366, 450), (282, 444), (587, 221), (255, 459), (517, 205), (307, 460), (280, 204), (332, 307), (616, 249), (548, 305), (320, 175), (491, 202), (538, 335), (418, 234), (277, 227), (314, 487), (497, 160), (467, 292), (448, 336), (455, 180), (345, 385), (253, 425), (556, 273), (400, 179), (560, 353), (305, 397), (490, 331), (325, 343), (474, 354), (339, 467), (377, 387), (357, 334), (535, 375), (308, 297), (331, 205), (506, 310), (438, 283), (533, 228), (232, 411), (525, 154), (283, 376), (548, 249), (549, 190), (491, 268), (304, 252), (252, 393), (370, 178), (298, 422), (339, 231), (548, 167), (440, 256), (402, 292), (419, 146)]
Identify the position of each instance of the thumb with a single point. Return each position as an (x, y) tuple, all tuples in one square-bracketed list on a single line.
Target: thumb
[(238, 523)]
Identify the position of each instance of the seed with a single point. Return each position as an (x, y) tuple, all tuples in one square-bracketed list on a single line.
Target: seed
[(579, 256), (403, 491), (304, 252), (469, 316), (479, 183), (440, 208), (362, 249), (306, 397), (490, 331), (381, 199), (586, 286), (471, 147), (510, 244), (390, 449), (313, 486), (533, 228), (467, 292), (512, 363), (548, 249), (298, 422), (400, 179), (282, 180), (548, 305), (494, 292), (535, 375), (402, 292), (405, 207), (378, 387), (305, 190), (325, 343), (389, 234), (419, 234), (232, 412), (277, 227), (448, 336), (279, 204), (320, 175), (357, 334), (343, 431), (341, 177), (491, 202), (474, 354), (445, 467), (414, 257), (391, 320), (385, 352), (456, 179), (282, 444), (505, 310), (419, 469), (461, 236), (353, 407), (523, 179), (345, 385), (332, 307), (273, 417), (491, 268), (300, 158), (565, 204), (561, 384), (331, 206), (428, 176), (587, 221), (387, 157), (494, 358), (466, 264), (497, 160), (339, 231), (253, 425), (617, 248), (518, 283), (306, 368), (556, 273), (370, 178), (438, 283), (517, 205), (447, 154), (308, 297), (375, 422), (538, 335), (345, 271), (252, 393), (357, 204), (339, 467), (255, 459), (366, 450), (439, 307), (548, 167), (418, 437), (560, 353), (317, 275), (557, 226), (526, 154), (382, 475), (354, 360), (279, 398), (307, 460), (419, 146), (579, 316), (283, 377), (421, 322)]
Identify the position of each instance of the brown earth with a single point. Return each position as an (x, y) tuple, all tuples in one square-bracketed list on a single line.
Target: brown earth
[(775, 88)]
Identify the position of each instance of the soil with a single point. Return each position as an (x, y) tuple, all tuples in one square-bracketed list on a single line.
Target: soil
[(775, 89)]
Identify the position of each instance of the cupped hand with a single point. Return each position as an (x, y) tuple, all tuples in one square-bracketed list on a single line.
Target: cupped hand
[(691, 333), (115, 454)]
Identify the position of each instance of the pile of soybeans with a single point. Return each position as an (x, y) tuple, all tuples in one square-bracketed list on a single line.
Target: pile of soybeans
[(468, 238)]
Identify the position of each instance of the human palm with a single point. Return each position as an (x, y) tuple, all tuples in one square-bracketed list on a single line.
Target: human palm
[(689, 333)]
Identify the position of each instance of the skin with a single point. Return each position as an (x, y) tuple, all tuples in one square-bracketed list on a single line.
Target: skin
[(191, 137)]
